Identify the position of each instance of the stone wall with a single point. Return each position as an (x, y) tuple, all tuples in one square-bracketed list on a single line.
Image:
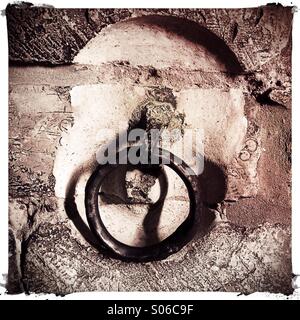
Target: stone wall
[(71, 70)]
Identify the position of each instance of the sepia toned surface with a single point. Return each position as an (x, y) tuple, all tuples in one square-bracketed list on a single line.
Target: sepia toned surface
[(225, 70)]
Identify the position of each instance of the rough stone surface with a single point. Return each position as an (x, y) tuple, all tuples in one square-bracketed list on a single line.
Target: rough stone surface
[(31, 149), (227, 259), (62, 32), (55, 36)]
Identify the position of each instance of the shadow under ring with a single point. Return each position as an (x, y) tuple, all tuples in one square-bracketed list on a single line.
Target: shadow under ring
[(158, 251)]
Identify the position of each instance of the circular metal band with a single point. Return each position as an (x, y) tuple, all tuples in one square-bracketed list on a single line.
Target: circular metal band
[(161, 250)]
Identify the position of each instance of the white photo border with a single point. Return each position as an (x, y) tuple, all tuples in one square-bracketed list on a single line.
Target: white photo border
[(151, 295)]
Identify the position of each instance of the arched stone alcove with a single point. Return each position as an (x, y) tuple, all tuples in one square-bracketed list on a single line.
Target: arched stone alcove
[(216, 109)]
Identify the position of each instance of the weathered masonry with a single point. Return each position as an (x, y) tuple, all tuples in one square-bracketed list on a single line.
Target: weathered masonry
[(76, 71)]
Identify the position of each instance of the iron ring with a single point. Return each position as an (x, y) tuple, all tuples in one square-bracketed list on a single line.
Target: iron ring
[(173, 243)]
